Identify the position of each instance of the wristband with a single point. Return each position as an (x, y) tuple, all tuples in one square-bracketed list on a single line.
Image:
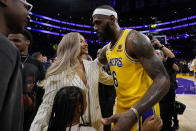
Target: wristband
[(135, 112), (161, 47)]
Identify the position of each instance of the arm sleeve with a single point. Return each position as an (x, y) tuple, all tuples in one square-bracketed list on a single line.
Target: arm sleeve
[(6, 71), (104, 78), (42, 117), (170, 62)]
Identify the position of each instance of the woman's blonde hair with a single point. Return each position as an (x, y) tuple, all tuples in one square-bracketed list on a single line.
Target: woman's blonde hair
[(67, 55)]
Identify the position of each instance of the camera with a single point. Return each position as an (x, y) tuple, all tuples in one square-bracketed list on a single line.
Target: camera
[(150, 36)]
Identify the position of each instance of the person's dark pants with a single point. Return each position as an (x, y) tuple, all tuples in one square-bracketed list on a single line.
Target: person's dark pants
[(107, 111), (175, 119), (167, 110), (107, 96), (166, 116), (176, 122)]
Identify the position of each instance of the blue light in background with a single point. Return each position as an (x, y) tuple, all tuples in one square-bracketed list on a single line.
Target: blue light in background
[(63, 28), (97, 41), (92, 32), (134, 27), (44, 31), (58, 21), (114, 3), (157, 30), (176, 52)]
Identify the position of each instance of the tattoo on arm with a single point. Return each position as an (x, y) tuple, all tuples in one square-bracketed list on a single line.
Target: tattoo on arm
[(140, 46)]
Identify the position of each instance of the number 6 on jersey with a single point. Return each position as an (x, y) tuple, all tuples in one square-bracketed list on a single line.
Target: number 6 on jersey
[(115, 79)]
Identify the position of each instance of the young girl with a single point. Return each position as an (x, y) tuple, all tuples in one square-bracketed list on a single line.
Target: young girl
[(69, 106)]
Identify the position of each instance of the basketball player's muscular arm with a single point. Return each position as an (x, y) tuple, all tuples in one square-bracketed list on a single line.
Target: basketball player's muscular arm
[(139, 45)]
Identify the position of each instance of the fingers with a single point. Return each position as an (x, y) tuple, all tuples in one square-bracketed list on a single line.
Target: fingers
[(109, 120), (155, 41), (104, 121), (150, 118), (160, 123), (158, 120)]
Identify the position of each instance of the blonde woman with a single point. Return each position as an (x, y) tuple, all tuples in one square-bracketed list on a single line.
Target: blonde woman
[(70, 69)]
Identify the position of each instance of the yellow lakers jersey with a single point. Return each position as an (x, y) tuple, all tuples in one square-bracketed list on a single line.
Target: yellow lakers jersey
[(194, 69), (130, 78)]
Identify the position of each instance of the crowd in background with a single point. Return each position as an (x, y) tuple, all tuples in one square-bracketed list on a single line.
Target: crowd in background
[(41, 108)]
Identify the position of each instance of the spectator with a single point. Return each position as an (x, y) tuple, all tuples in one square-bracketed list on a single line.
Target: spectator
[(13, 18), (32, 72), (38, 56), (167, 102), (45, 62)]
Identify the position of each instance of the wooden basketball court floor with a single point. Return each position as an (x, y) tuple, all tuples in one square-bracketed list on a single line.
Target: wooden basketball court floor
[(187, 121), (187, 95)]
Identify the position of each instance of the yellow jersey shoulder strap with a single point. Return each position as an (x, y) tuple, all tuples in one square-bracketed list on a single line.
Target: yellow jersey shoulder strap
[(121, 40), (129, 57), (124, 36)]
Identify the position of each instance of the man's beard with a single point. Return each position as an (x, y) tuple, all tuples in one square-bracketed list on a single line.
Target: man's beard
[(107, 34)]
